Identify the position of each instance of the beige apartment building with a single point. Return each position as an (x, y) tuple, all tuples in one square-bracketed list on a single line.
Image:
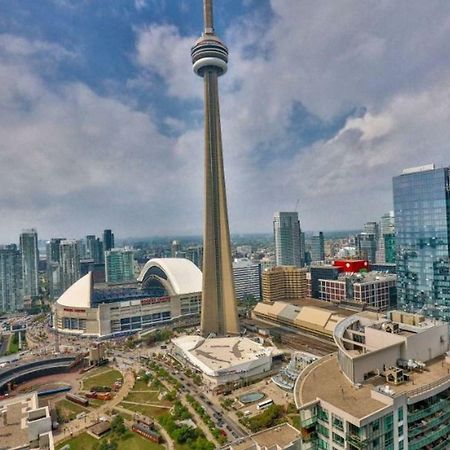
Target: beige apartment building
[(284, 283)]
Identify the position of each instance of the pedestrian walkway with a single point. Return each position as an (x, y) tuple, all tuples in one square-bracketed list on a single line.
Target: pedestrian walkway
[(77, 426), (155, 405), (202, 425)]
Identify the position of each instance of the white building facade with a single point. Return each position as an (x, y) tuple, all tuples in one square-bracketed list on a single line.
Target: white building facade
[(168, 290)]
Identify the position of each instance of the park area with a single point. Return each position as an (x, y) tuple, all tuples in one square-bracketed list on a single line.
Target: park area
[(102, 376), (147, 399), (67, 410), (129, 441)]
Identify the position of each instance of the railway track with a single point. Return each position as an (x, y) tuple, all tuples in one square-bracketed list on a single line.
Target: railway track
[(307, 344)]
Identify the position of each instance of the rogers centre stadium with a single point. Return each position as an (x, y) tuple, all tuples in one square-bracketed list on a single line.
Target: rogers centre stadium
[(168, 290)]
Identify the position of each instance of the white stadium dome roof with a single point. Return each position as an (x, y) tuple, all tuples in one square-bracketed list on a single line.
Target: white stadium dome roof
[(79, 294), (182, 274)]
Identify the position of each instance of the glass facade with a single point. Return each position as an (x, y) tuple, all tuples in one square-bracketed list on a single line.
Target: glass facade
[(429, 423), (389, 248), (288, 249), (321, 429), (119, 266), (30, 260), (422, 216), (11, 294)]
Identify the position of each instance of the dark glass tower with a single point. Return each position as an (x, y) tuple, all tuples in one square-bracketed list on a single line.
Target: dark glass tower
[(108, 240), (219, 312), (422, 219)]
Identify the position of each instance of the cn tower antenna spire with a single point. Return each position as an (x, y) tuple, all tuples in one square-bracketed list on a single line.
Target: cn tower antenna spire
[(219, 312), (208, 16)]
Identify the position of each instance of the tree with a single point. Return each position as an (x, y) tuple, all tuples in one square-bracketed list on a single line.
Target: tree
[(117, 426), (108, 445)]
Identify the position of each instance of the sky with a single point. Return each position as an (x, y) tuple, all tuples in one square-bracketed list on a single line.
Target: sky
[(101, 116)]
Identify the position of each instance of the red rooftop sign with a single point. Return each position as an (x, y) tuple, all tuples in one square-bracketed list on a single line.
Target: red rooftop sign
[(351, 265)]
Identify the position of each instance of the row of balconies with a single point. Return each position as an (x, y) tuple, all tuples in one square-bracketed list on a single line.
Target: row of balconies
[(417, 444), (443, 405), (425, 425)]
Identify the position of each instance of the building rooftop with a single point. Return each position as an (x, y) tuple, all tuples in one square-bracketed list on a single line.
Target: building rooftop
[(179, 276), (368, 277), (243, 262), (13, 425), (100, 428), (184, 276), (277, 437), (221, 354), (325, 380), (308, 313), (79, 294)]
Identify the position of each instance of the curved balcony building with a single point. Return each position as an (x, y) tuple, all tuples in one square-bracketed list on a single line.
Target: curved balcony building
[(387, 387)]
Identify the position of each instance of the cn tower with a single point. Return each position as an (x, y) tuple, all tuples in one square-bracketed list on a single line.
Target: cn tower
[(219, 311)]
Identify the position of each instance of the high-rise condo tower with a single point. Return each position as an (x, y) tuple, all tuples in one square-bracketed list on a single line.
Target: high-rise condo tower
[(219, 311)]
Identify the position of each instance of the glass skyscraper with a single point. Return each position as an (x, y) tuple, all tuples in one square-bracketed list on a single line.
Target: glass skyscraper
[(94, 249), (53, 269), (11, 294), (422, 219), (108, 240), (317, 247), (69, 262), (287, 235), (30, 260), (119, 265)]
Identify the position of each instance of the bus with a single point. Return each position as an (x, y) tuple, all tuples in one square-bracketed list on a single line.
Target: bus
[(265, 404)]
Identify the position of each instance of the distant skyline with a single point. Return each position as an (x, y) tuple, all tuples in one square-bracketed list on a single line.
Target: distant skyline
[(101, 115)]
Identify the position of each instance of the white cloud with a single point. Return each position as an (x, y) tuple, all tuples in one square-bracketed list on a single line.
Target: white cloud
[(331, 57), (371, 127), (72, 152), (162, 51), (76, 161), (140, 4)]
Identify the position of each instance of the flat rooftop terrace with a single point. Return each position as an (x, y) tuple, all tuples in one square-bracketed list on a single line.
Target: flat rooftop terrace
[(326, 381), (329, 306), (221, 353), (14, 432), (281, 435)]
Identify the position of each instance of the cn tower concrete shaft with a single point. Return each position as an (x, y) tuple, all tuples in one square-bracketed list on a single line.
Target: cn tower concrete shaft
[(219, 311)]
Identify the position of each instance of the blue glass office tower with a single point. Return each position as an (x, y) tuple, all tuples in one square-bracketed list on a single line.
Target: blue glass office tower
[(422, 234)]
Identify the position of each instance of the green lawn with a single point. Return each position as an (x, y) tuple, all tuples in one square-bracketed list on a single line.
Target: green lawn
[(69, 409), (83, 441), (105, 378), (149, 411), (145, 397), (131, 441), (94, 403), (13, 346), (97, 371), (123, 414), (140, 385)]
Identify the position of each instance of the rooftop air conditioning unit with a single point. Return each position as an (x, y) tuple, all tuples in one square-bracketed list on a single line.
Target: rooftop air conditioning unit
[(390, 327)]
